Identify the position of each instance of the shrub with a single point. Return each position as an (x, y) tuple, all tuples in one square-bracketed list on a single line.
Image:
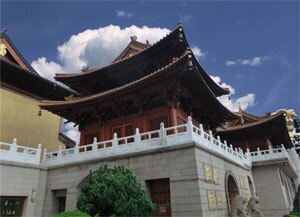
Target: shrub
[(114, 192), (75, 213)]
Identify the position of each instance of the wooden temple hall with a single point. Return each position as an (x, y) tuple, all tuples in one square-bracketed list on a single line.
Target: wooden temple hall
[(144, 86)]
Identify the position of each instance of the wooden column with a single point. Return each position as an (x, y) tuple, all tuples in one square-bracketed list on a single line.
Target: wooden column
[(173, 118)]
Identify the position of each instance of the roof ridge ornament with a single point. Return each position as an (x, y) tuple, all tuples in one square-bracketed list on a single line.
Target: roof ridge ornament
[(133, 38), (180, 35)]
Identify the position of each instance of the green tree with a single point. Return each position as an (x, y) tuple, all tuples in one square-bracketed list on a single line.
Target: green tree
[(71, 214), (114, 192), (297, 129)]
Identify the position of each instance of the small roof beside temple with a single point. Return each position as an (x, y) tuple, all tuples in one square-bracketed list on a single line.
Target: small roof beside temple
[(274, 126)]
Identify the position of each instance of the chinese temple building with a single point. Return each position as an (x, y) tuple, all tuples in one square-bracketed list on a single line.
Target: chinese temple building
[(160, 83), (155, 111)]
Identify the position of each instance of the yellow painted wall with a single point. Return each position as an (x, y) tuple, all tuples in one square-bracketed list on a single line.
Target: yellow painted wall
[(19, 119)]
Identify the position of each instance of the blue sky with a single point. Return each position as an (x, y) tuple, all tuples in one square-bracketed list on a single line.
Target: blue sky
[(251, 46)]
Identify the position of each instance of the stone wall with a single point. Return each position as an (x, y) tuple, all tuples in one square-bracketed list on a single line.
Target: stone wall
[(183, 166), (272, 193), (20, 180)]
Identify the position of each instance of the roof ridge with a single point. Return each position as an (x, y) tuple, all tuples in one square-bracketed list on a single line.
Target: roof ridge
[(7, 38), (114, 63)]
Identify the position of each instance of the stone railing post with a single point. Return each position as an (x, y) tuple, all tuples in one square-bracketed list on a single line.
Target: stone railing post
[(201, 129), (189, 128), (14, 147), (38, 153), (211, 136), (94, 145), (137, 136), (248, 152), (76, 149), (59, 154), (45, 154), (162, 135), (270, 149), (219, 140), (258, 151), (115, 141)]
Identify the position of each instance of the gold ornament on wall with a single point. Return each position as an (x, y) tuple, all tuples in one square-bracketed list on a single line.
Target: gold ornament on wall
[(208, 173), (215, 175), (2, 49), (211, 199), (219, 200)]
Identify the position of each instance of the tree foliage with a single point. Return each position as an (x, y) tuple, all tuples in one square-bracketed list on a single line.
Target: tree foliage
[(71, 214), (297, 129), (114, 192)]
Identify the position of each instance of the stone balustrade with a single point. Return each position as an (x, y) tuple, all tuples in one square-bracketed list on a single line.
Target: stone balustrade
[(271, 154), (141, 142), (20, 154)]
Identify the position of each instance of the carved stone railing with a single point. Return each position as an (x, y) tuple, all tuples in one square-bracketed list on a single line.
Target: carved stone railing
[(141, 142), (20, 154), (271, 154)]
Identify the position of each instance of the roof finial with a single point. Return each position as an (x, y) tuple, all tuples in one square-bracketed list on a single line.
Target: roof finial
[(133, 38), (147, 41)]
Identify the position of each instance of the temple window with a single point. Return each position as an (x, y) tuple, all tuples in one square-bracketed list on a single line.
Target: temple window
[(89, 138), (154, 124), (123, 130)]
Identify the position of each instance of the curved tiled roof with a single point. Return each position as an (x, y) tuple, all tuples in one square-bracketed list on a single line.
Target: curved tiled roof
[(76, 100), (74, 79), (253, 124)]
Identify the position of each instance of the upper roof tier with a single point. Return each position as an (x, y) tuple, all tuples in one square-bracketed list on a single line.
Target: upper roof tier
[(135, 61)]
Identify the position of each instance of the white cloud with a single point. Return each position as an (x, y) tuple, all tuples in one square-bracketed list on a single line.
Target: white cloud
[(95, 48), (230, 63), (255, 61), (198, 52), (45, 68), (232, 103), (122, 14), (69, 130)]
